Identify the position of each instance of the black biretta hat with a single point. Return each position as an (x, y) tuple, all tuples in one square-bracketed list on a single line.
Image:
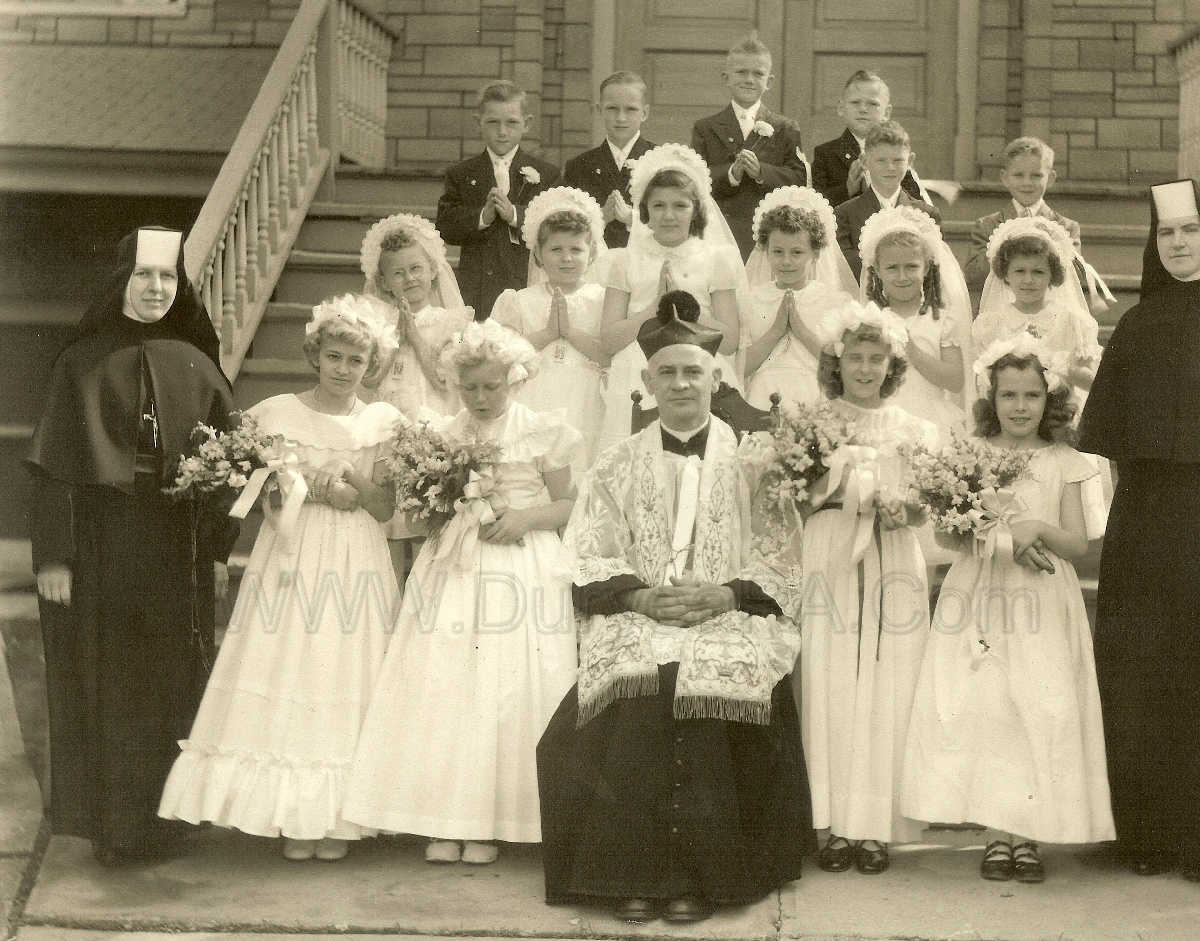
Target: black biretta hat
[(676, 323)]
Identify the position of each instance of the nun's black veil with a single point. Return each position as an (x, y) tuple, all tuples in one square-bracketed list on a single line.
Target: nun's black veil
[(186, 320)]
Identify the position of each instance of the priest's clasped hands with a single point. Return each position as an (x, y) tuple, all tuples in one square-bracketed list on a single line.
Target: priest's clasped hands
[(683, 603)]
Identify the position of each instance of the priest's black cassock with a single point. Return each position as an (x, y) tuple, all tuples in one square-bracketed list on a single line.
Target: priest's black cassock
[(125, 660), (658, 780), (1144, 413)]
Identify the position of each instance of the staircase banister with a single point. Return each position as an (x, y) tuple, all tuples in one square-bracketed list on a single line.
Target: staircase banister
[(206, 233)]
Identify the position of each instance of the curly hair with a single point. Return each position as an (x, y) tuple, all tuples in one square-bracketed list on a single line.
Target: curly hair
[(339, 331), (1027, 245), (569, 221), (931, 282), (485, 342), (790, 220), (1056, 418), (675, 179), (829, 370)]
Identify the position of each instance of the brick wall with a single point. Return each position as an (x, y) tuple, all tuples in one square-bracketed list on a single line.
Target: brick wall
[(448, 49), (1094, 78), (206, 23)]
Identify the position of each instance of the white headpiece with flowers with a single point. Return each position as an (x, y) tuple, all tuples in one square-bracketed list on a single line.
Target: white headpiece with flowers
[(445, 291), (899, 219), (1047, 230), (852, 317), (558, 199), (1054, 364), (356, 310), (667, 157)]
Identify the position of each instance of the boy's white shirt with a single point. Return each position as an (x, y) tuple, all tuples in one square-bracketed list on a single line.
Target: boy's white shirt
[(886, 202), (1035, 210), (621, 154), (746, 116), (499, 163)]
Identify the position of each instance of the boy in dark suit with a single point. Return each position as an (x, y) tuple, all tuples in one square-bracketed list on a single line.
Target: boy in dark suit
[(837, 167), (1028, 172), (887, 156), (483, 206), (749, 150), (603, 172)]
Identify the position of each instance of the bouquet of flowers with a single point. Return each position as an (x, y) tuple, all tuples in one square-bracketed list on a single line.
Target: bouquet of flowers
[(802, 443), (436, 477), (965, 486), (223, 461)]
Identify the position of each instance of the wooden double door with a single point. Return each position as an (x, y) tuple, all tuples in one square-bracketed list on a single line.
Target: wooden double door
[(679, 47)]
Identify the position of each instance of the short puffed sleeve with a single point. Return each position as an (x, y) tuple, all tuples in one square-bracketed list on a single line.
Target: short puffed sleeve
[(1075, 467), (1086, 338), (507, 311), (949, 332), (725, 269), (616, 271)]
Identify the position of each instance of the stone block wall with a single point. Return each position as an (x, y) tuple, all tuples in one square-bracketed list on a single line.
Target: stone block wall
[(217, 23), (1095, 79), (448, 49)]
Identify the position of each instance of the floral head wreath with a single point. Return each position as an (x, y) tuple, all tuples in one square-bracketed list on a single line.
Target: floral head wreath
[(356, 310), (899, 219), (1047, 230), (420, 228), (1054, 365), (798, 197), (854, 316), (668, 157), (557, 199)]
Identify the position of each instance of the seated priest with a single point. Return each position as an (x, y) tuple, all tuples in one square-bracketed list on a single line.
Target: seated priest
[(671, 777)]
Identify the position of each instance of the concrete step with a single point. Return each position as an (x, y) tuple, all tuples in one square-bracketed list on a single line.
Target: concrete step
[(1085, 203), (398, 187), (280, 335), (310, 276), (261, 378), (332, 227)]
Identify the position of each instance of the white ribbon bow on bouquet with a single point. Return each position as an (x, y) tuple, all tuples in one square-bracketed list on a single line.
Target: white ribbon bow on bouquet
[(992, 522), (291, 484), (859, 464), (479, 505)]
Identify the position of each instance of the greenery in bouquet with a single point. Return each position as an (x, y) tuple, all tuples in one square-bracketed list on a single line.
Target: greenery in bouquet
[(221, 462), (800, 446), (430, 472), (956, 481)]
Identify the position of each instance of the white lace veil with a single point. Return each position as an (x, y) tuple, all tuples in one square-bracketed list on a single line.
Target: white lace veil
[(445, 292), (831, 267), (717, 233), (686, 161), (956, 299), (559, 199), (997, 295)]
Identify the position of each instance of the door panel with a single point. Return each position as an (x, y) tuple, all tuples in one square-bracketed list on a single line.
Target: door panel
[(679, 47)]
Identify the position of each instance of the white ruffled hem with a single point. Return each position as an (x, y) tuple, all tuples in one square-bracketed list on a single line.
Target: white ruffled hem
[(264, 795)]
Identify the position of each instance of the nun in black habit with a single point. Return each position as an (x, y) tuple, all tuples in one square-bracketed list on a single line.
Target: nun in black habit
[(1144, 413), (126, 594)]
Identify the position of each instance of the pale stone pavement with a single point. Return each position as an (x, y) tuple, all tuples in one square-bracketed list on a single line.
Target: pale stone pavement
[(231, 886)]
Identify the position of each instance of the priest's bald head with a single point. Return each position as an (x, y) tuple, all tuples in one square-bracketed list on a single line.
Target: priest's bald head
[(681, 372)]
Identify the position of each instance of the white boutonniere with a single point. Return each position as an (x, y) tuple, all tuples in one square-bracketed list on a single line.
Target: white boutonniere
[(763, 129), (531, 175)]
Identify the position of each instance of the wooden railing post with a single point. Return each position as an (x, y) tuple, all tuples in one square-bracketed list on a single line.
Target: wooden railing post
[(307, 109)]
